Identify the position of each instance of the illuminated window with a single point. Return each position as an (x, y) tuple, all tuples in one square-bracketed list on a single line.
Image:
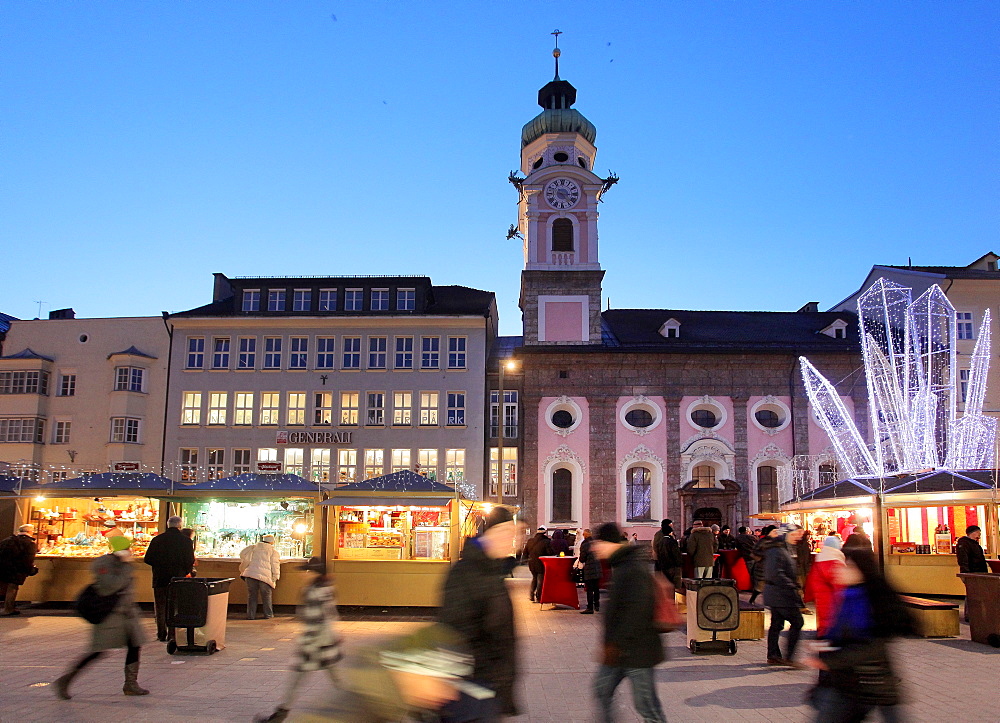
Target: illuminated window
[(270, 402), (243, 409), (347, 465), (319, 465), (428, 409), (402, 408), (293, 460), (191, 408), (216, 463), (638, 495), (296, 408), (349, 409), (374, 463), (241, 461), (218, 402), (324, 408), (454, 460), (189, 465), (427, 459), (400, 460)]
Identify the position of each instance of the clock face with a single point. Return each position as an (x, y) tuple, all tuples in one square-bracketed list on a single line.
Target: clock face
[(562, 193)]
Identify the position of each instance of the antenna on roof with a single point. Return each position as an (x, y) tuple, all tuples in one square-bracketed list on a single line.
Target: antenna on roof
[(40, 302)]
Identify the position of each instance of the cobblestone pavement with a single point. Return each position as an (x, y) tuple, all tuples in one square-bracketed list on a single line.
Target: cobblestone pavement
[(947, 679)]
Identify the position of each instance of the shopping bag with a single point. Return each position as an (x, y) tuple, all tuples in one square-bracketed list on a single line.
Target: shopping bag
[(666, 617)]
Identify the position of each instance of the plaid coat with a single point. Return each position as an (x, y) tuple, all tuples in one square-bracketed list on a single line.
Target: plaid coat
[(319, 643)]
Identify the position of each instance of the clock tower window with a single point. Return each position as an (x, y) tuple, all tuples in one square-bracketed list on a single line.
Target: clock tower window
[(562, 235)]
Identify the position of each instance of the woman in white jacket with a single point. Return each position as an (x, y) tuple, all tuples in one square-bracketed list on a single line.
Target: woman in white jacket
[(260, 566)]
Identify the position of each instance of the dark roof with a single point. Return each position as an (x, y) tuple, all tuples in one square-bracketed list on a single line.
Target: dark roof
[(5, 320), (131, 351), (921, 482), (752, 331), (505, 346), (459, 300), (251, 482), (951, 272), (402, 481), (27, 353), (104, 481)]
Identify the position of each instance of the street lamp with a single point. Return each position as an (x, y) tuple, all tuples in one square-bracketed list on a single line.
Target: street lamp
[(505, 365)]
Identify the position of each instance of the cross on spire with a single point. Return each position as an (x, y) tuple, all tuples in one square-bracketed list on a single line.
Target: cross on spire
[(556, 52)]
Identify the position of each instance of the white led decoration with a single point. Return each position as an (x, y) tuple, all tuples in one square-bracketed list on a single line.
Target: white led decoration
[(913, 389)]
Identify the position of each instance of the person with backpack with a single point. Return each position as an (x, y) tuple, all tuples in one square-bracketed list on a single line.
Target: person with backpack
[(120, 625), (17, 564), (631, 645)]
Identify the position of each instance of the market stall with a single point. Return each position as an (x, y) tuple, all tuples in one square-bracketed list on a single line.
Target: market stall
[(73, 520), (228, 514), (392, 538)]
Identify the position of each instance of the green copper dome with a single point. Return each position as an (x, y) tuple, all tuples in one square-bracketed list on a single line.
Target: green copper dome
[(558, 116)]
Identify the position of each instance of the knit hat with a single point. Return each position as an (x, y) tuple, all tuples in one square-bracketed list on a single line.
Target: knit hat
[(833, 541), (497, 516), (610, 532), (268, 538), (119, 543)]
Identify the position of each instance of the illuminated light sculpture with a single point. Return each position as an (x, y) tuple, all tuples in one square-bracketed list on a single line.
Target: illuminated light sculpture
[(913, 389)]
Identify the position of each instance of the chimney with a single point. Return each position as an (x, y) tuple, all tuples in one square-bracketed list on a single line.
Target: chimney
[(62, 314)]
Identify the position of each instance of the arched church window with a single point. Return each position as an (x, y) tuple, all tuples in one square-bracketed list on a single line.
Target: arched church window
[(562, 235), (703, 475), (638, 495), (767, 488), (562, 495)]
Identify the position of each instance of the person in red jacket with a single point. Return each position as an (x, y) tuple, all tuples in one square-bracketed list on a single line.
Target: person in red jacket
[(823, 583)]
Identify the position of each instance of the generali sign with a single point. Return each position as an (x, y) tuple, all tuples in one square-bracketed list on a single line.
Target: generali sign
[(314, 437)]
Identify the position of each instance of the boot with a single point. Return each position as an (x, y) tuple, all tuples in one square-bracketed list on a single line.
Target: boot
[(131, 686), (62, 684)]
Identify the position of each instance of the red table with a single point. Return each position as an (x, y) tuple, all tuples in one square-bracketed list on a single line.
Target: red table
[(734, 567), (558, 587)]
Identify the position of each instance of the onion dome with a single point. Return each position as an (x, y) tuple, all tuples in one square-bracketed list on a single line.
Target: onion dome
[(558, 116)]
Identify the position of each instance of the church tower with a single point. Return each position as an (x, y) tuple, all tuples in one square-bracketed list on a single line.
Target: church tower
[(557, 218)]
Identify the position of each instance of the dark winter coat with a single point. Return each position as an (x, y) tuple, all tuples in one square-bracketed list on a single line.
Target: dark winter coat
[(781, 584), (745, 543), (667, 551), (538, 546), (17, 558), (170, 554), (477, 605), (591, 563), (970, 555), (726, 541), (630, 640), (123, 627), (702, 547)]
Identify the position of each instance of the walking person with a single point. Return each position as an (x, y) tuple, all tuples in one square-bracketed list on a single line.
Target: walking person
[(477, 605), (170, 554), (318, 646), (632, 646), (591, 566), (782, 594), (122, 628), (701, 547), (538, 546), (757, 573), (17, 564), (823, 583), (260, 566), (856, 671), (970, 555)]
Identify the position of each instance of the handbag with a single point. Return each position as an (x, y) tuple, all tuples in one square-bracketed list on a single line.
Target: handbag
[(666, 617), (94, 607)]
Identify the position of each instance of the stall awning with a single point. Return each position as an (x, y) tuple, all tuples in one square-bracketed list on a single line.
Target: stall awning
[(398, 488), (942, 481), (251, 482), (9, 484), (844, 488), (105, 481)]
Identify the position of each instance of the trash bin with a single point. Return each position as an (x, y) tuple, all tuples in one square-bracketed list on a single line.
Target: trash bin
[(982, 593), (199, 607), (713, 612)]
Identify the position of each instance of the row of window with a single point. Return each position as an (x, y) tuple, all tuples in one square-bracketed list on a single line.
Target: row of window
[(327, 300), (296, 412), (323, 350), (126, 379), (324, 464), (32, 430)]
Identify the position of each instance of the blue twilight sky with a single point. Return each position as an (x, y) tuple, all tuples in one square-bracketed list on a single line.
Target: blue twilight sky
[(769, 152)]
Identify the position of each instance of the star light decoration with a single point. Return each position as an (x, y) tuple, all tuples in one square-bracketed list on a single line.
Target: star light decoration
[(913, 389)]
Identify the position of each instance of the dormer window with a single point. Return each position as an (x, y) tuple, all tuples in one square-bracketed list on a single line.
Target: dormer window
[(836, 330), (671, 329)]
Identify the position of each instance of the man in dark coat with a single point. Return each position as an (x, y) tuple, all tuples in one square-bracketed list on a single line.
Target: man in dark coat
[(782, 594), (538, 546), (632, 647), (476, 604), (667, 553), (970, 555), (701, 548), (17, 563), (170, 554)]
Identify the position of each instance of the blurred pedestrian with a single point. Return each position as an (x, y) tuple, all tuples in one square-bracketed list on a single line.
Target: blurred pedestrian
[(122, 627), (260, 567), (170, 554), (318, 647), (667, 554), (823, 583), (856, 671), (17, 564), (591, 566), (858, 538), (559, 544), (111, 530), (701, 548), (538, 546), (632, 646), (476, 604), (782, 594), (757, 574), (970, 555)]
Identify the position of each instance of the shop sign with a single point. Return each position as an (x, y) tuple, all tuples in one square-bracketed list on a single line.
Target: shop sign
[(125, 467), (314, 437), (269, 467)]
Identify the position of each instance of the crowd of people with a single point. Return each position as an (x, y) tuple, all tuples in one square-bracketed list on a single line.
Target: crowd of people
[(465, 666)]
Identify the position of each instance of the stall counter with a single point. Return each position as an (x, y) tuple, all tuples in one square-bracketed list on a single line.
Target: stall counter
[(389, 582), (924, 574)]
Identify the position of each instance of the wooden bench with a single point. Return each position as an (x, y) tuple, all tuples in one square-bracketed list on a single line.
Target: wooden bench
[(751, 622), (934, 619)]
